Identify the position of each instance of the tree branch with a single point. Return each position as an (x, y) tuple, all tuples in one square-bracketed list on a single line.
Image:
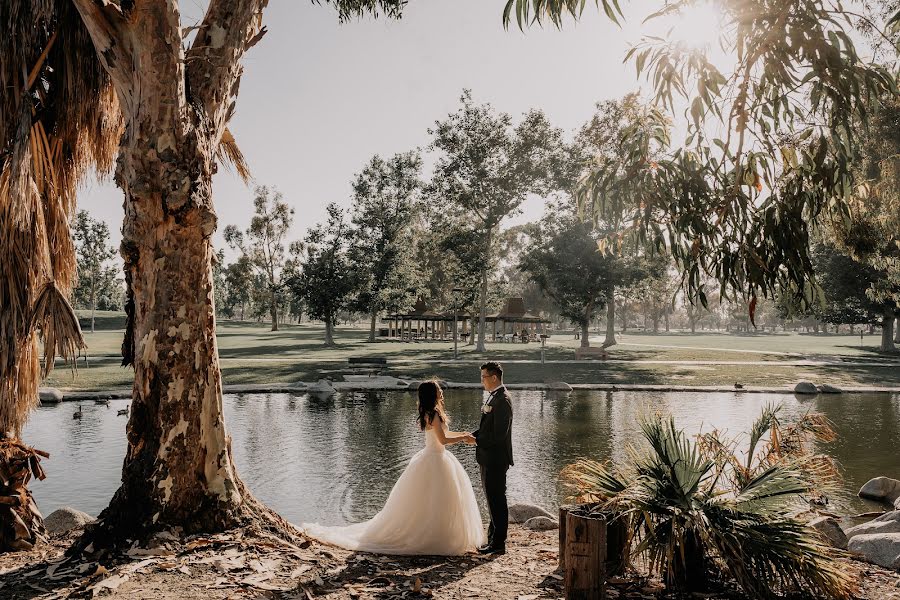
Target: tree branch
[(214, 61), (108, 29)]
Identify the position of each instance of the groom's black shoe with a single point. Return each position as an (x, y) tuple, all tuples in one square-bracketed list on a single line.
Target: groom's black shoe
[(490, 549)]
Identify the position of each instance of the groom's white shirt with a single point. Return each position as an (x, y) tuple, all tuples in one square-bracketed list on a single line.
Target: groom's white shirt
[(490, 394)]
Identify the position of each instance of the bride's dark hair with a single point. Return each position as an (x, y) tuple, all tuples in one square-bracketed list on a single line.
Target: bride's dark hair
[(431, 404)]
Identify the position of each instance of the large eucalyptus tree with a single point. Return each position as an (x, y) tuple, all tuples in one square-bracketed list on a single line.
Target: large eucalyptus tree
[(84, 81)]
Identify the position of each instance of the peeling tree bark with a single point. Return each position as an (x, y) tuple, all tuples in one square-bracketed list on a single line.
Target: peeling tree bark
[(178, 468)]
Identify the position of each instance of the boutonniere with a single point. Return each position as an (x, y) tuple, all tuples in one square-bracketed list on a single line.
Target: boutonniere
[(487, 408)]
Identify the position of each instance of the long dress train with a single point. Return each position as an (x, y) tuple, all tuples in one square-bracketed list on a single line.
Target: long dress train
[(430, 510)]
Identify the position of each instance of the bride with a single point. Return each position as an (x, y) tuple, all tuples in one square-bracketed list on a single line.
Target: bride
[(431, 509)]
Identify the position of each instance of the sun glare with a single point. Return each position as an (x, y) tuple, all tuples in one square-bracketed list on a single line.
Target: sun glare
[(698, 25)]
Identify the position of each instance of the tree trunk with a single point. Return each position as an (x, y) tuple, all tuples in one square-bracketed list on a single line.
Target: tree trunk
[(624, 315), (372, 323), (93, 301), (887, 330), (666, 320), (610, 320), (585, 334), (482, 301), (273, 309), (896, 331), (329, 331), (178, 468)]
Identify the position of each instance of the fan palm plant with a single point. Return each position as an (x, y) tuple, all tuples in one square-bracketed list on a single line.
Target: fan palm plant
[(691, 511)]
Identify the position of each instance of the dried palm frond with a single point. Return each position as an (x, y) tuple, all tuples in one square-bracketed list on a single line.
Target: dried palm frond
[(59, 121), (58, 324), (228, 153)]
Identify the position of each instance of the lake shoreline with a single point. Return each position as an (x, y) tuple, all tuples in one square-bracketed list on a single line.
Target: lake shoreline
[(76, 395)]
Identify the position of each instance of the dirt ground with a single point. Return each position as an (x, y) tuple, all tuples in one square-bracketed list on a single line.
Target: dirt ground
[(245, 564)]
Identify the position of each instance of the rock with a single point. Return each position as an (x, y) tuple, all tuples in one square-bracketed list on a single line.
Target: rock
[(541, 524), (882, 549), (831, 530), (805, 387), (561, 386), (886, 523), (521, 512), (50, 395), (829, 389), (66, 519), (882, 489)]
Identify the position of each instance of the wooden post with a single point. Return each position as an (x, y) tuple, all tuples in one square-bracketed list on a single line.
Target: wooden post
[(584, 574)]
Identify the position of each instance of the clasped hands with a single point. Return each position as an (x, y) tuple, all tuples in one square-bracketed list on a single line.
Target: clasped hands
[(469, 439)]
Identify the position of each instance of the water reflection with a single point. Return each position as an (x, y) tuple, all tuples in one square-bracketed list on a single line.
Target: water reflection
[(334, 460)]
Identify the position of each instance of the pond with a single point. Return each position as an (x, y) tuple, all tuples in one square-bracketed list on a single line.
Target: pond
[(334, 461)]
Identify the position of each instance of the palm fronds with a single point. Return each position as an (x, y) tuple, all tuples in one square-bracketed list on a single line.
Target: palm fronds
[(694, 506), (59, 120), (59, 327)]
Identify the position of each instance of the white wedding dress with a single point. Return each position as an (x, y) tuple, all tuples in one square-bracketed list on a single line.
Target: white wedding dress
[(430, 510)]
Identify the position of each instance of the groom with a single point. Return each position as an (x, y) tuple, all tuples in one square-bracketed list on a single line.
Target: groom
[(493, 452)]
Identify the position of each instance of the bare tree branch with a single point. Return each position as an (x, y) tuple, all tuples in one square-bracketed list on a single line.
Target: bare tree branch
[(214, 60)]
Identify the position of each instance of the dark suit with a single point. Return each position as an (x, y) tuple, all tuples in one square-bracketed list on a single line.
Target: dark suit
[(494, 455)]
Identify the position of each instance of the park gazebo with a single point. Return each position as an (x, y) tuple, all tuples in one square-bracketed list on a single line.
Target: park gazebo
[(518, 319), (423, 323)]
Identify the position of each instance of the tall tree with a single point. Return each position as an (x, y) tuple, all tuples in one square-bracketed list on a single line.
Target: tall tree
[(100, 64), (385, 200), (263, 243), (93, 255), (870, 232), (563, 260), (601, 143), (325, 281), (487, 167)]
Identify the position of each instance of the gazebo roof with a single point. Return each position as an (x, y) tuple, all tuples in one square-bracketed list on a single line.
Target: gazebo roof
[(514, 310)]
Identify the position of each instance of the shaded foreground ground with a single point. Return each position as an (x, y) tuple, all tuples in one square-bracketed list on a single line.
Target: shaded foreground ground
[(251, 354), (242, 564)]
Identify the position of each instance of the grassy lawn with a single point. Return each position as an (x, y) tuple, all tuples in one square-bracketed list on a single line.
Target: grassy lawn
[(250, 353)]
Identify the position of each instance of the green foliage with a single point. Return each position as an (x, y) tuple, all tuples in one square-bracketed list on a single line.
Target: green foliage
[(385, 204), (564, 261), (324, 281), (787, 112), (845, 283), (694, 508), (263, 244), (349, 9), (486, 168), (98, 285)]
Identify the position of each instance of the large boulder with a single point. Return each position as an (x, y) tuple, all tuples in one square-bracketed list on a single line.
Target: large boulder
[(882, 549), (50, 395), (806, 387), (521, 512), (65, 519), (882, 489), (830, 530), (886, 523), (541, 524)]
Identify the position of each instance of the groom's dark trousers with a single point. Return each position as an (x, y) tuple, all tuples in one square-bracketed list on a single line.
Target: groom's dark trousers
[(494, 455)]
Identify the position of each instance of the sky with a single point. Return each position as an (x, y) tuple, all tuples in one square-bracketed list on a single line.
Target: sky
[(319, 98)]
